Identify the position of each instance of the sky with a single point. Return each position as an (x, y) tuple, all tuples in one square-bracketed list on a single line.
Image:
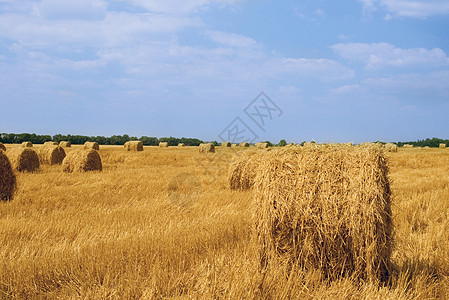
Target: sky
[(321, 70)]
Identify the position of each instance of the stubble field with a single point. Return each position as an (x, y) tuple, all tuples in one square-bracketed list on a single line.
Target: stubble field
[(163, 223)]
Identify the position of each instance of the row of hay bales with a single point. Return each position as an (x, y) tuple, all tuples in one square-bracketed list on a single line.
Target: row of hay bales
[(322, 207)]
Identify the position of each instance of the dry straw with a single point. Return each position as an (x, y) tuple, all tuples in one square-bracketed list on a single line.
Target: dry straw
[(24, 159), (243, 171), (181, 145), (82, 160), (2, 147), (163, 144), (7, 178), (27, 144), (50, 144), (244, 144), (226, 144), (91, 145), (325, 208), (206, 148), (65, 144), (442, 145), (390, 147), (261, 145), (51, 155), (407, 146), (134, 146)]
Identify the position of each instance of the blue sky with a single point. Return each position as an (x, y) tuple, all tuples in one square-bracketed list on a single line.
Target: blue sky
[(340, 71)]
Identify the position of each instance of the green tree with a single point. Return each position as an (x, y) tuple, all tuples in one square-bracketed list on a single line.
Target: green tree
[(282, 143)]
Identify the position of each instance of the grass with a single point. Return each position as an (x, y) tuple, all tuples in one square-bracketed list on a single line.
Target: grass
[(122, 234)]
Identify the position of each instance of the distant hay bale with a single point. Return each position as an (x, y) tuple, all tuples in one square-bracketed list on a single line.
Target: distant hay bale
[(50, 144), (134, 146), (206, 148), (325, 208), (163, 144), (91, 145), (261, 145), (65, 144), (2, 147), (243, 171), (407, 146), (442, 145), (390, 147), (426, 147), (27, 144), (181, 145), (234, 145), (348, 144), (244, 144), (226, 144), (82, 160), (51, 155), (7, 178), (23, 159)]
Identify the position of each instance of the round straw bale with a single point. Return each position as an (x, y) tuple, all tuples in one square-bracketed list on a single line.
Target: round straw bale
[(7, 178), (65, 144), (23, 159), (51, 155), (226, 144), (390, 147), (206, 148), (27, 144), (91, 145), (261, 145), (134, 146), (50, 144), (181, 145), (163, 144), (407, 146), (325, 208), (2, 147), (82, 160), (244, 144), (442, 145), (234, 145), (243, 171)]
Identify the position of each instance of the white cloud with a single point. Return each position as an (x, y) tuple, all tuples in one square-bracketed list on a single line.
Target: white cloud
[(408, 8), (73, 9), (381, 55), (231, 39)]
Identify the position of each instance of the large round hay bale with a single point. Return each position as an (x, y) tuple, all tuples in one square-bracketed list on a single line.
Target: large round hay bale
[(7, 178), (244, 144), (51, 155), (390, 147), (82, 160), (134, 146), (163, 144), (23, 159), (50, 144), (443, 146), (181, 145), (242, 171), (206, 148), (65, 144), (27, 144), (325, 208), (2, 147), (261, 145), (91, 145), (226, 144)]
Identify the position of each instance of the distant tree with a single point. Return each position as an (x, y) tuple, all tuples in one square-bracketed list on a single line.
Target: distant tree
[(269, 143), (282, 143)]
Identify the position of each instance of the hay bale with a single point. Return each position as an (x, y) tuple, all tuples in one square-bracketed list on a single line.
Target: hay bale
[(261, 145), (226, 144), (181, 145), (407, 146), (65, 144), (234, 145), (244, 144), (23, 159), (390, 147), (51, 155), (443, 146), (2, 147), (242, 171), (206, 148), (27, 144), (50, 144), (82, 160), (163, 144), (325, 208), (91, 145), (134, 146), (426, 147), (7, 178)]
